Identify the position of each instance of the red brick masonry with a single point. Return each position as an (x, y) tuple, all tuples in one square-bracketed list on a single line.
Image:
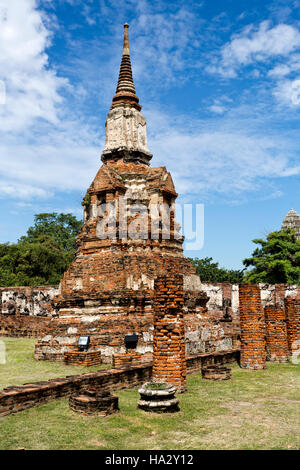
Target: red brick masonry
[(276, 333), (127, 359), (292, 310), (253, 354), (169, 363), (82, 358)]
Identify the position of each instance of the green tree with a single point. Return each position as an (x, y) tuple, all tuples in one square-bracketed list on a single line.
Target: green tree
[(277, 260), (210, 271), (43, 255), (63, 228)]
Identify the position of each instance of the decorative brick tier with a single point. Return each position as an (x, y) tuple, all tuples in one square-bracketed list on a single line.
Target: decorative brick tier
[(82, 358), (276, 333), (216, 373), (18, 398), (253, 354), (94, 401), (169, 361), (292, 311), (126, 359)]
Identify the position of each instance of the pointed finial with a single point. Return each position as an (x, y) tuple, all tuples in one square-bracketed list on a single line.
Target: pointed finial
[(126, 40), (125, 92)]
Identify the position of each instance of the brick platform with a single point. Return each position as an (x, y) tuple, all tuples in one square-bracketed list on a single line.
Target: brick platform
[(169, 361), (253, 354), (82, 358), (94, 401), (126, 359), (276, 333)]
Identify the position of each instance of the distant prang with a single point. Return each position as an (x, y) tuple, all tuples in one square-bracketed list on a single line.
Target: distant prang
[(292, 220)]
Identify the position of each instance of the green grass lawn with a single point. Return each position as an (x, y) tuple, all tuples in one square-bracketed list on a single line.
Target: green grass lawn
[(21, 367), (254, 410)]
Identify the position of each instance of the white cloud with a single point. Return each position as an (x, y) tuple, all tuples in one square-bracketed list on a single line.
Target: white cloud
[(256, 45), (42, 153), (217, 108), (32, 88), (279, 70), (288, 92), (22, 191), (223, 157), (41, 149)]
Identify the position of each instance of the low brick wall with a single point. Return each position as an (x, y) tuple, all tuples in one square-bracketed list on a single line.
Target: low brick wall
[(18, 398), (200, 361)]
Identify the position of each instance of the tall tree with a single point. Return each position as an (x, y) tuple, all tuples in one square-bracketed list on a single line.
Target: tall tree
[(277, 260), (63, 228)]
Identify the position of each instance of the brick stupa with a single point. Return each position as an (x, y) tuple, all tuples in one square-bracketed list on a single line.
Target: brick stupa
[(107, 291)]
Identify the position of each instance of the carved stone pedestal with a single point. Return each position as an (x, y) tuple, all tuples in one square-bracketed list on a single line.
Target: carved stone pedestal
[(158, 397)]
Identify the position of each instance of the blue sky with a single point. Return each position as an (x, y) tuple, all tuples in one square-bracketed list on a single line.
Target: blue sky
[(219, 82)]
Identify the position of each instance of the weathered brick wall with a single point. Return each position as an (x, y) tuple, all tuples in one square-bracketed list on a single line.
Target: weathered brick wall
[(253, 353), (25, 301), (211, 318), (169, 363), (24, 326), (292, 311), (276, 333), (26, 311), (38, 301), (106, 320)]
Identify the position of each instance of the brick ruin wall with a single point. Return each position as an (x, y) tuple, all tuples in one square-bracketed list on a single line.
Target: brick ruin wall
[(26, 311), (210, 325), (292, 308), (276, 333)]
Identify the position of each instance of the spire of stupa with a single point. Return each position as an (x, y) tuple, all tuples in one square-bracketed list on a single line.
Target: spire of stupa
[(125, 92), (125, 127)]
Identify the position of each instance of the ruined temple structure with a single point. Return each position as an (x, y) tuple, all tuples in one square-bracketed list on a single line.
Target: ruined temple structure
[(124, 245), (130, 238), (292, 220)]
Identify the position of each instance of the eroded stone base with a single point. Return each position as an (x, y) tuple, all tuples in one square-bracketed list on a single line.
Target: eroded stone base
[(158, 397)]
